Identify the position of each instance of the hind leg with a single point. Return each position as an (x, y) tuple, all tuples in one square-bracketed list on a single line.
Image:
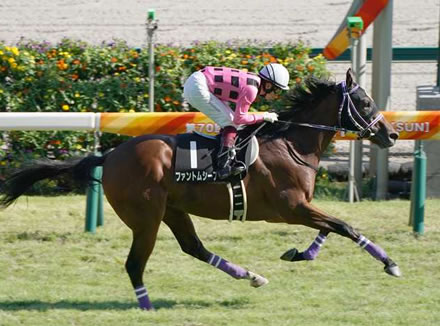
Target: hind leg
[(312, 217), (141, 248), (183, 229), (143, 218)]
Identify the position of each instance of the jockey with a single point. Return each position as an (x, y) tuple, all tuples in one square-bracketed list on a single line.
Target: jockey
[(225, 95)]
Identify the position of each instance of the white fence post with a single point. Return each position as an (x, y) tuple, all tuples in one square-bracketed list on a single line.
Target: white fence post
[(382, 58)]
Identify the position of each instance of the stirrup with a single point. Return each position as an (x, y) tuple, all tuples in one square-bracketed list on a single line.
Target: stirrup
[(238, 167), (230, 169), (224, 172)]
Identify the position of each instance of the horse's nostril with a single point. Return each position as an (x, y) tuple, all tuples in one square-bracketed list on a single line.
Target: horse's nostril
[(394, 135)]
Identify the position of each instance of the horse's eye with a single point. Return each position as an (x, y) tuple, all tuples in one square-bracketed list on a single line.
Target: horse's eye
[(367, 105)]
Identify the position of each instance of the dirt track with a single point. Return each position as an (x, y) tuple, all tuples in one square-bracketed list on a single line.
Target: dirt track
[(314, 21)]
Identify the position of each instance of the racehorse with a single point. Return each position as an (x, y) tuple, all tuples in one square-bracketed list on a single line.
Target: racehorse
[(138, 180)]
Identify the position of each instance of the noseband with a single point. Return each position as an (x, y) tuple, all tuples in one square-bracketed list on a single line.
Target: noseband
[(364, 128)]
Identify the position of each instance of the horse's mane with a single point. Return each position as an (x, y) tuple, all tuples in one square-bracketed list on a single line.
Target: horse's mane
[(297, 100)]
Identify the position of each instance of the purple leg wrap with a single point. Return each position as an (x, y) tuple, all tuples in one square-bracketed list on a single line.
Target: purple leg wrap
[(373, 249), (234, 270), (143, 299), (314, 248)]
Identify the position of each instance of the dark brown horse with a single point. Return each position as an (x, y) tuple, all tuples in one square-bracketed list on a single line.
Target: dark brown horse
[(138, 180)]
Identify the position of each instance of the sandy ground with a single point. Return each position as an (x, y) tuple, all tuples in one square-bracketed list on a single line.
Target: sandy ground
[(415, 23), (314, 21)]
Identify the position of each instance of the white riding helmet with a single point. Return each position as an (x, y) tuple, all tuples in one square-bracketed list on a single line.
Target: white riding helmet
[(277, 74)]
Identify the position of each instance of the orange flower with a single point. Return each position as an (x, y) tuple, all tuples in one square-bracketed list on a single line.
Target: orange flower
[(55, 142), (76, 62), (157, 68), (244, 62), (176, 102), (75, 76), (62, 65), (167, 99), (122, 68), (113, 59)]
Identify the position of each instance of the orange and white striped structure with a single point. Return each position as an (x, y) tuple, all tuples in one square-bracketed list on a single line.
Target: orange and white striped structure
[(368, 10), (410, 124), (424, 125)]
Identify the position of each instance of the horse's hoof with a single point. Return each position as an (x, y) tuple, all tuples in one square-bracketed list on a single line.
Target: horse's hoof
[(257, 280), (393, 270), (292, 255)]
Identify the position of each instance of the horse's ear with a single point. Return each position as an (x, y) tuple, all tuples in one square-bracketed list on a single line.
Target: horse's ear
[(349, 80)]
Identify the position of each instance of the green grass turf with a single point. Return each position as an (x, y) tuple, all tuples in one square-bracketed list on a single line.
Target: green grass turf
[(52, 273)]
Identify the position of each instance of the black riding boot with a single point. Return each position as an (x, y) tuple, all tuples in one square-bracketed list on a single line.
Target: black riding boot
[(226, 164)]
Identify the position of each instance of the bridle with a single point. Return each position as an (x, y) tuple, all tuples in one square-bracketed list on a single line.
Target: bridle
[(364, 128)]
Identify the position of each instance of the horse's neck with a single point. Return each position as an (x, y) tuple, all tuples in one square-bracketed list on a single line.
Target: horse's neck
[(310, 142)]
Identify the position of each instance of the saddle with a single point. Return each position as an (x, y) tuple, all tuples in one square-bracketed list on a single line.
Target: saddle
[(196, 155)]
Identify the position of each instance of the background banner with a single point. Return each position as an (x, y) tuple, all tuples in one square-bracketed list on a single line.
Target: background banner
[(409, 124)]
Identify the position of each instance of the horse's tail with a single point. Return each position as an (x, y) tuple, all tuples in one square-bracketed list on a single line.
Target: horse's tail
[(79, 170)]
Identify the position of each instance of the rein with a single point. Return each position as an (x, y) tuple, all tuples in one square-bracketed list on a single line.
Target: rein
[(297, 158), (364, 128)]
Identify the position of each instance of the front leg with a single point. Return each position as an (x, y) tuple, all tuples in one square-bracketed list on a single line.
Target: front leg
[(310, 254), (308, 215)]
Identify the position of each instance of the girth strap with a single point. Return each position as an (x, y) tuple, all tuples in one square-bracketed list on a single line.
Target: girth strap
[(237, 200)]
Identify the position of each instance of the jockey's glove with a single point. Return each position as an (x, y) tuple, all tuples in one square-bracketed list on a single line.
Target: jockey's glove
[(270, 117)]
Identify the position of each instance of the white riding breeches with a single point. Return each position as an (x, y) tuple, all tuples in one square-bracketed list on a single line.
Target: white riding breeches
[(197, 93)]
